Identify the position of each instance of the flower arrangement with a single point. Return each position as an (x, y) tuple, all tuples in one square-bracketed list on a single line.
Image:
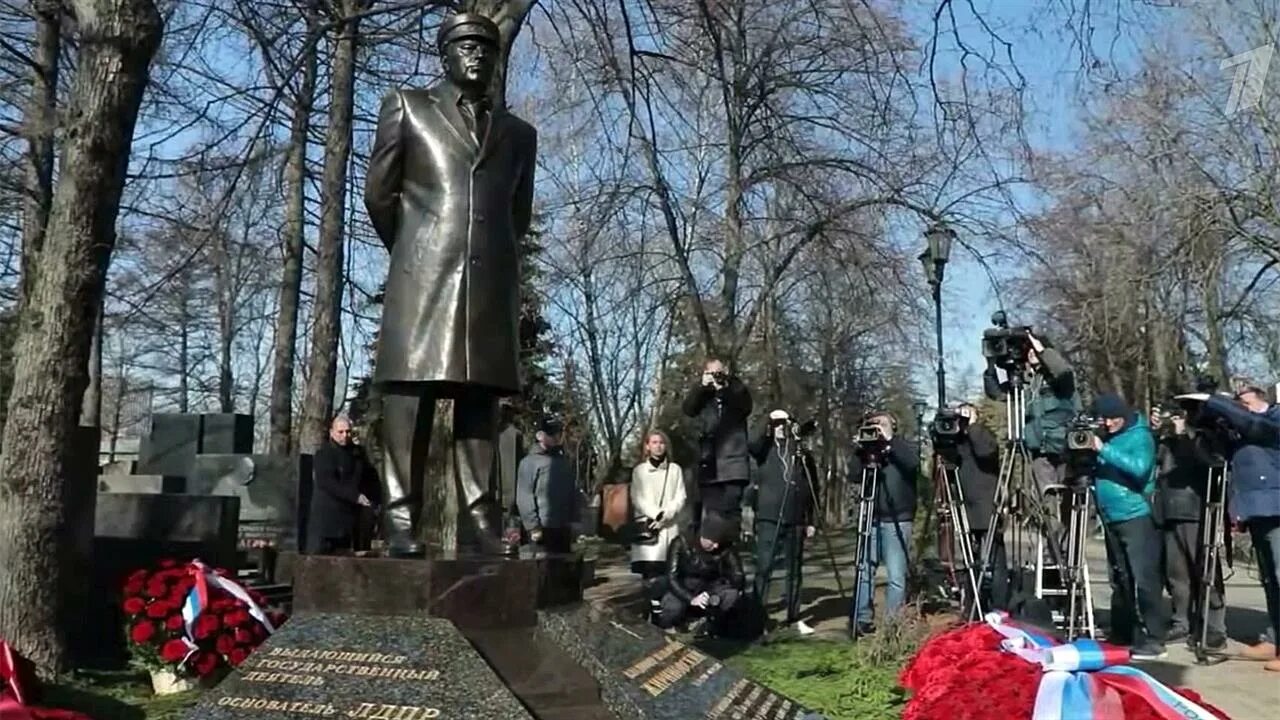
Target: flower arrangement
[(964, 674), (192, 620)]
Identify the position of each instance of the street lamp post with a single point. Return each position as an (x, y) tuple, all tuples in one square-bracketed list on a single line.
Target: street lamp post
[(934, 259)]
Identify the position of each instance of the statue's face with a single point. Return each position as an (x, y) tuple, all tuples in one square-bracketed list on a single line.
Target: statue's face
[(470, 61)]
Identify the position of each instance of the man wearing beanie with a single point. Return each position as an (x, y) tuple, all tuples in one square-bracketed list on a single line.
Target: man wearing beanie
[(1123, 483), (706, 577)]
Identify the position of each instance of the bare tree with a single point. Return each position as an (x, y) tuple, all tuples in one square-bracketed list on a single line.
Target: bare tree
[(37, 524)]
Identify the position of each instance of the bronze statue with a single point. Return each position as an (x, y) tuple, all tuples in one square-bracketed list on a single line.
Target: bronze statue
[(449, 191)]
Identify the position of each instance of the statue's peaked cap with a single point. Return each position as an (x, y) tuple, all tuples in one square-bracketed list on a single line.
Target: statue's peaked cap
[(462, 25)]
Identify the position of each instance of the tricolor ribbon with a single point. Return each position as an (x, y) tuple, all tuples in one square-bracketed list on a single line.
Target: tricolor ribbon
[(198, 599), (1083, 679)]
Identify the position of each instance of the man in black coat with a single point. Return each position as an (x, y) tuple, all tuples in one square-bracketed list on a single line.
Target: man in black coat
[(721, 404), (978, 457), (783, 499), (340, 471), (1184, 459), (705, 576)]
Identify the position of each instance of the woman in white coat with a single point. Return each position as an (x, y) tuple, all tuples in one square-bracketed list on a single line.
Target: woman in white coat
[(657, 499)]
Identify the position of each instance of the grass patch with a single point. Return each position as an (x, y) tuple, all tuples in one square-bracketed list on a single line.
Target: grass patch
[(124, 695), (841, 680)]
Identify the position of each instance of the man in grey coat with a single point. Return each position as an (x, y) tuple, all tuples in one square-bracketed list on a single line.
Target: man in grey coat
[(449, 190), (545, 493)]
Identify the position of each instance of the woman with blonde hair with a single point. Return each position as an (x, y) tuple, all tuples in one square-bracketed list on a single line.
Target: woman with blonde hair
[(658, 499)]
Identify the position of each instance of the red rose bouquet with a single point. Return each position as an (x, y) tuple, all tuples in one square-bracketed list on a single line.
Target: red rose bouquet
[(223, 630), (964, 674)]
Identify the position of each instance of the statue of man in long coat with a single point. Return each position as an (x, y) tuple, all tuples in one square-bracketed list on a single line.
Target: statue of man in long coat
[(449, 191)]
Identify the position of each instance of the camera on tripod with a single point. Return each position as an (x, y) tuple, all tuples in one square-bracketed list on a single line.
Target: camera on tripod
[(873, 447), (1006, 346), (1081, 432), (946, 428)]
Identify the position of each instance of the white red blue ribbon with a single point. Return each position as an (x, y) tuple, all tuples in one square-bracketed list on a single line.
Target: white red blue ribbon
[(198, 599), (1081, 678)]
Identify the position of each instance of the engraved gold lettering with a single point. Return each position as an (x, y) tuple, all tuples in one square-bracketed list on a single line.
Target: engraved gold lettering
[(648, 662)]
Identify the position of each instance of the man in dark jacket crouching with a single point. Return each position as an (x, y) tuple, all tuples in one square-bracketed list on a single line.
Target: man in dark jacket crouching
[(706, 578)]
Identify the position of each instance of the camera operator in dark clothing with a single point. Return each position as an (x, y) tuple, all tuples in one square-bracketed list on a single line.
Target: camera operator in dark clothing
[(706, 577), (783, 500), (721, 405), (895, 509), (1051, 400), (1255, 488), (343, 484), (1184, 459), (977, 453)]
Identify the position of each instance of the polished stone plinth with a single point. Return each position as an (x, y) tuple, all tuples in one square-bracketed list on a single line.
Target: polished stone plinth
[(473, 591), (362, 666), (645, 675)]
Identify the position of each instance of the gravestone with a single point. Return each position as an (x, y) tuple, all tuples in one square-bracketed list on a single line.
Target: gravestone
[(267, 486), (361, 666), (646, 675), (226, 434), (141, 484), (132, 531), (170, 448)]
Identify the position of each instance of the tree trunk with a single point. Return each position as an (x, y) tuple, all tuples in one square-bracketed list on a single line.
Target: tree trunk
[(224, 285), (317, 405), (295, 177), (184, 354), (91, 406), (509, 15), (37, 536), (1216, 344), (39, 125)]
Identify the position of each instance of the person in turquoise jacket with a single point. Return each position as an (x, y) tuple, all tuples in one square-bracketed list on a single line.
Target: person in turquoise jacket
[(1123, 482)]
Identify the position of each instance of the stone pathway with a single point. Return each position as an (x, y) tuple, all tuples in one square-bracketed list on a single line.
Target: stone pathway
[(1241, 688)]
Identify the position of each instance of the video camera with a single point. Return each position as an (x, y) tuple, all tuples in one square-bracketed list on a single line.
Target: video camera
[(1081, 432), (1006, 346), (872, 445), (947, 427), (795, 429), (1219, 436), (1082, 458)]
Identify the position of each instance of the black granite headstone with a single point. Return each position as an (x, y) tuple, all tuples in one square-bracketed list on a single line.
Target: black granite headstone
[(363, 667), (143, 484), (267, 485), (645, 675), (226, 434), (170, 448)]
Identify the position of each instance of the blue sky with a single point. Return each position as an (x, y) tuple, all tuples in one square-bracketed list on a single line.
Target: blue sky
[(1050, 65)]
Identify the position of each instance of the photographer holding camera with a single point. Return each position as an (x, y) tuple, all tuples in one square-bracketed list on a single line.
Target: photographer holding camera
[(977, 456), (1051, 403), (1123, 483), (721, 405), (1255, 488), (898, 463), (1184, 458), (783, 500)]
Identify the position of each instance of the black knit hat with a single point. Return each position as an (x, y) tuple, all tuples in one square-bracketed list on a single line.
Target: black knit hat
[(718, 528)]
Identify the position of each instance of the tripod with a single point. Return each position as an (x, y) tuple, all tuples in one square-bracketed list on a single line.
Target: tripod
[(869, 486), (953, 532), (1213, 535), (1074, 574), (1015, 500), (789, 456)]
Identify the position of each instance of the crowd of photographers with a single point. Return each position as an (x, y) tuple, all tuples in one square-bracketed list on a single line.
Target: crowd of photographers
[(1150, 481)]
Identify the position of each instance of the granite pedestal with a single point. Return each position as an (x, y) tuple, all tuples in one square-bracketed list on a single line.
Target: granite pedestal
[(473, 591), (645, 675), (362, 666)]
